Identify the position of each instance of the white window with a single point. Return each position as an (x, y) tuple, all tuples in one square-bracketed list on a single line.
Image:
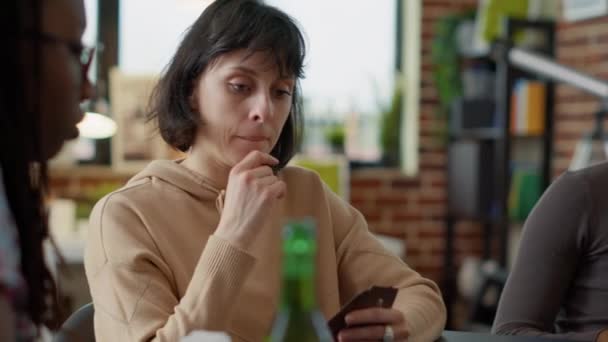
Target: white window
[(351, 51), (350, 67), (89, 38), (150, 32)]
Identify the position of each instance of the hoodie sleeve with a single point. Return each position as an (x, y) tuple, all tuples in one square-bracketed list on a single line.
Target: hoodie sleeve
[(132, 288), (364, 262)]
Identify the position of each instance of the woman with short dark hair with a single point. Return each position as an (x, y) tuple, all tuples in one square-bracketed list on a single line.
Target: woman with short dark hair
[(219, 30), (195, 244)]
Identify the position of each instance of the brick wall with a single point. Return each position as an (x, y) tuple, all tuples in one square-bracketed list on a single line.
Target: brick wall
[(582, 45), (414, 208)]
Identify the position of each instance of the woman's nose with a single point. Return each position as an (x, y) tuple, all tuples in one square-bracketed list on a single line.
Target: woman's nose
[(262, 109), (86, 89)]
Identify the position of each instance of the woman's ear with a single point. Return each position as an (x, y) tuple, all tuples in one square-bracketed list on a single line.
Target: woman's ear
[(193, 99)]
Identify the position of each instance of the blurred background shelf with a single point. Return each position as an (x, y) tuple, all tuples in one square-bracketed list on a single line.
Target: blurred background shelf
[(86, 171)]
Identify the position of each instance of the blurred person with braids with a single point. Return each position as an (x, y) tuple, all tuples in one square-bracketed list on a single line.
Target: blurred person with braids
[(44, 80)]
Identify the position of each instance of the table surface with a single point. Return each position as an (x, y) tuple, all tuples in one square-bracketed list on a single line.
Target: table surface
[(447, 336), (461, 336)]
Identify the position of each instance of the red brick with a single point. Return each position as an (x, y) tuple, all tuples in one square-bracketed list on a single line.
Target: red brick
[(392, 200), (574, 116), (405, 183), (430, 198), (476, 248), (431, 234), (363, 194), (471, 235), (365, 183), (391, 234), (438, 3), (434, 179), (433, 200), (572, 42), (359, 203), (372, 216), (406, 216), (567, 135)]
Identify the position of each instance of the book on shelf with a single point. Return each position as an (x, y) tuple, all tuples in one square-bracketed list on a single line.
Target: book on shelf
[(528, 107), (524, 192)]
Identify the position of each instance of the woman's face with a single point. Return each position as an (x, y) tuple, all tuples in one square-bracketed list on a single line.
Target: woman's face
[(62, 83), (243, 102)]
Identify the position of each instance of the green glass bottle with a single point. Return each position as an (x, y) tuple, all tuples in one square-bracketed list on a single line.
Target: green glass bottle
[(298, 318)]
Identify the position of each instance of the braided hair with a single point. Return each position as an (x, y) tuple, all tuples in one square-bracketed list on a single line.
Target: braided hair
[(21, 160)]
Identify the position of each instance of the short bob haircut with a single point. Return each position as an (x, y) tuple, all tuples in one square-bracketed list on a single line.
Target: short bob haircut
[(225, 26)]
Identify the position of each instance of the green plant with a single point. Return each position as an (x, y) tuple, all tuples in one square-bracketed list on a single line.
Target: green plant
[(390, 126), (90, 196), (446, 60), (335, 136)]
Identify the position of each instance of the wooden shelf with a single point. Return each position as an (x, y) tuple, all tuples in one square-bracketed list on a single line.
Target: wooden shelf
[(505, 148), (86, 171), (527, 136), (478, 218), (480, 134)]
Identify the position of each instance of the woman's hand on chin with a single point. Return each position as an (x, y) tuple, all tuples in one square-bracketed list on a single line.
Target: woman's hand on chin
[(252, 191)]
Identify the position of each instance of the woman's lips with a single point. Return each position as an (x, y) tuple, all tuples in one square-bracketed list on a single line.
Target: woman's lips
[(254, 138)]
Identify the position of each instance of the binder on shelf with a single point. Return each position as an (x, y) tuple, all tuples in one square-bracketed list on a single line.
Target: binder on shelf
[(473, 116), (526, 189), (528, 107)]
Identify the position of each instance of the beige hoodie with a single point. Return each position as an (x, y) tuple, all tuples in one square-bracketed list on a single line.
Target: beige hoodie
[(157, 272)]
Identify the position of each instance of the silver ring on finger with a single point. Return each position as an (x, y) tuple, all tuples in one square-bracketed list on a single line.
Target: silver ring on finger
[(389, 335)]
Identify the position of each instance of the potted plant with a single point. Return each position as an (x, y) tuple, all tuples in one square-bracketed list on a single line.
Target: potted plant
[(390, 127), (335, 136), (445, 57)]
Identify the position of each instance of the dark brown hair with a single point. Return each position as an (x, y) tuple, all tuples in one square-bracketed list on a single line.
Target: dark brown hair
[(23, 165), (225, 26)]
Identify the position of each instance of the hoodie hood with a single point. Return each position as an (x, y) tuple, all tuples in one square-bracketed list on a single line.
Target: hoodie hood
[(172, 172)]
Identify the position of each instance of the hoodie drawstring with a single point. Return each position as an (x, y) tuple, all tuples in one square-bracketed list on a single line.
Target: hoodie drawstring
[(219, 201)]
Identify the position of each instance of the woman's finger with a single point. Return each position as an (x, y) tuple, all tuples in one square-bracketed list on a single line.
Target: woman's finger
[(259, 172), (373, 332), (253, 160), (266, 180), (401, 332), (368, 332), (374, 316), (277, 189)]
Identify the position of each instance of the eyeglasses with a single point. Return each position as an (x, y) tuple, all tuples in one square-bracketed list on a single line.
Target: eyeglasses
[(83, 53)]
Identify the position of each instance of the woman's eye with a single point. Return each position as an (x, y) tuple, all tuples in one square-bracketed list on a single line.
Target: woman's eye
[(238, 87), (282, 92)]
